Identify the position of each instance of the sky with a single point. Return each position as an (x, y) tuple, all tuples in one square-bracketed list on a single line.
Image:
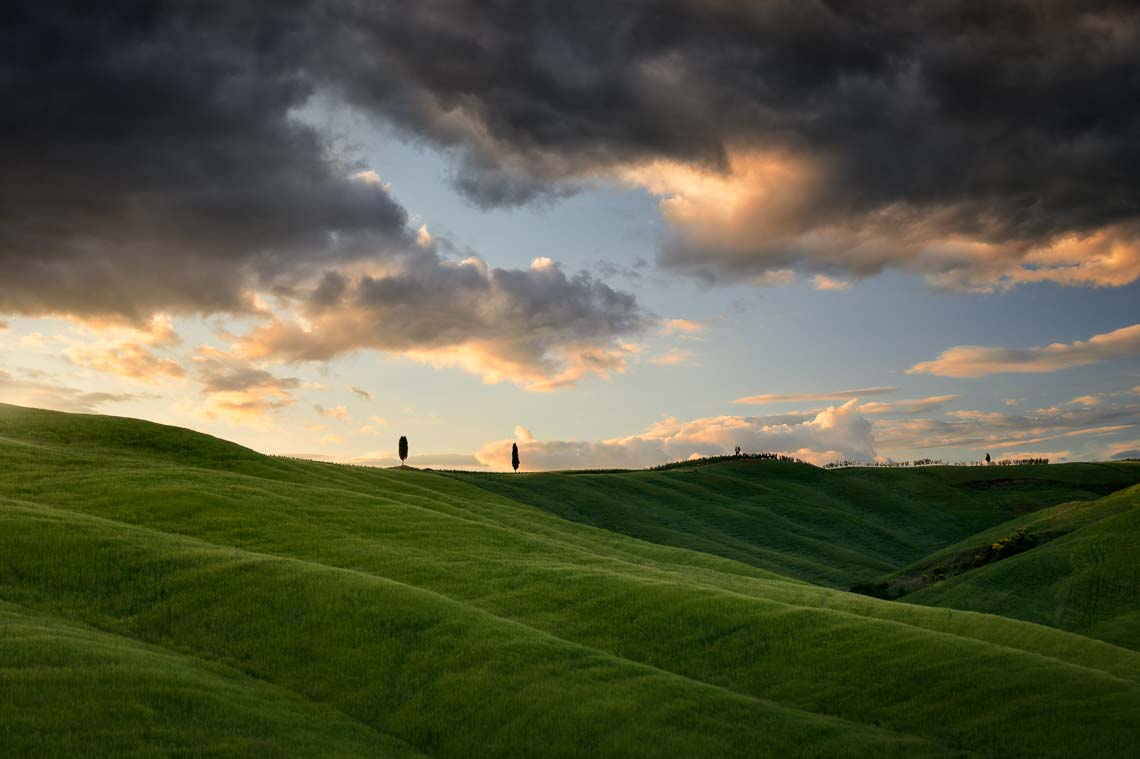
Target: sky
[(615, 235)]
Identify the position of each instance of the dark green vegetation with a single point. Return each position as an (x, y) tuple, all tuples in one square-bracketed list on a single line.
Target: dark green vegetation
[(186, 594)]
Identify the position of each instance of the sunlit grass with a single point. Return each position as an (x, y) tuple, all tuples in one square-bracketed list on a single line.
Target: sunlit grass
[(440, 617)]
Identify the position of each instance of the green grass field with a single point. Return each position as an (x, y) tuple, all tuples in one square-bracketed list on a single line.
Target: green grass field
[(835, 528), (163, 592), (1085, 577)]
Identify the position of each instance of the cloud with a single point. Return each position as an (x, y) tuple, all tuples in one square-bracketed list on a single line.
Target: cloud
[(201, 189), (844, 432), (979, 148), (128, 350), (834, 433), (976, 147), (335, 412), (915, 406), (824, 282), (767, 216), (1086, 400), (366, 395), (536, 327), (975, 429), (979, 361), (368, 176), (674, 357), (237, 391), (683, 327), (196, 185), (381, 459), (1128, 449), (129, 360), (38, 394), (835, 396), (1055, 457)]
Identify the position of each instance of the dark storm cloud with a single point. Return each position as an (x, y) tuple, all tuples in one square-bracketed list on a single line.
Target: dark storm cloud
[(1009, 123), (151, 161), (926, 100)]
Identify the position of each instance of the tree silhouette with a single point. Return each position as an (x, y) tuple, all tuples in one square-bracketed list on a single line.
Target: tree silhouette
[(987, 458), (403, 449), (515, 456)]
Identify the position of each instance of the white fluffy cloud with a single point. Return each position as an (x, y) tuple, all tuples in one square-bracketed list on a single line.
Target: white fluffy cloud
[(834, 433)]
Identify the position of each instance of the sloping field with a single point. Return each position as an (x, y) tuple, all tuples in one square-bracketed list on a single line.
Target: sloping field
[(1084, 576), (387, 613), (835, 528)]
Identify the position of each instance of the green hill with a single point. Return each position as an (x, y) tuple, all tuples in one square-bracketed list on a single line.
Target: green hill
[(164, 592), (1083, 576), (837, 528)]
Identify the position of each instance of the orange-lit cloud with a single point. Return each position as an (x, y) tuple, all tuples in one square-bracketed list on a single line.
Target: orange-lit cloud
[(769, 213), (979, 361), (562, 367), (975, 429), (238, 391), (537, 327), (833, 433), (683, 327), (117, 347), (338, 412), (674, 357), (826, 283), (833, 396), (913, 406), (31, 389), (361, 392)]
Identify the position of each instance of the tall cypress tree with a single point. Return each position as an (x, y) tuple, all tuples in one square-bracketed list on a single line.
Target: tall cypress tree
[(515, 456), (403, 449)]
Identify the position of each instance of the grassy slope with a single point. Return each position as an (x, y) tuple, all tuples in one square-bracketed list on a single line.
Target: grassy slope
[(1087, 580), (462, 622), (836, 528), (137, 698)]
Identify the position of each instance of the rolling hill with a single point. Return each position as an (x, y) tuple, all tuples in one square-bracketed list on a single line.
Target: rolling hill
[(837, 528), (1084, 576), (165, 592)]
